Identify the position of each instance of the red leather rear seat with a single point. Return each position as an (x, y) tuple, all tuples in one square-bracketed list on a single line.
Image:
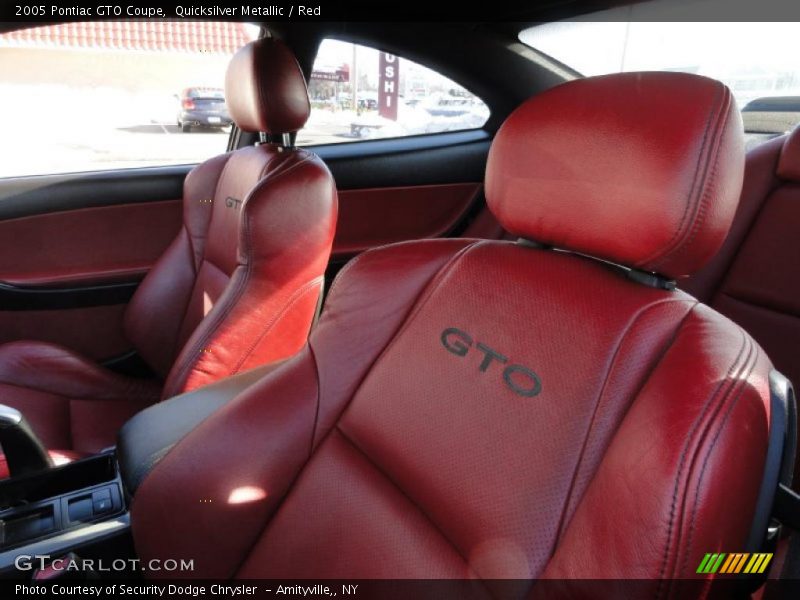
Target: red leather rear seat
[(755, 278)]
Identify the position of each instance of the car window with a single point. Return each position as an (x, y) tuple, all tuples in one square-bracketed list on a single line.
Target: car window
[(758, 61), (108, 95), (360, 93)]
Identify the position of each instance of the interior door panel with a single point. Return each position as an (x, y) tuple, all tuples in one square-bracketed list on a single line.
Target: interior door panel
[(95, 331), (74, 247), (377, 216), (87, 246)]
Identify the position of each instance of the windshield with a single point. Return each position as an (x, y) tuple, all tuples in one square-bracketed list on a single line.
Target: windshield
[(760, 62)]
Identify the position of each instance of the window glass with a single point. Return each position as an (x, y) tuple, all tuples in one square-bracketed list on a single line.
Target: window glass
[(758, 61), (107, 95), (359, 93)]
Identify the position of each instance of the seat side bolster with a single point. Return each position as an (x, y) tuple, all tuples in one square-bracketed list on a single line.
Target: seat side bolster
[(229, 474), (688, 457), (154, 316)]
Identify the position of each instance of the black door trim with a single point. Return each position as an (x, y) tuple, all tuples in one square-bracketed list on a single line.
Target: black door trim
[(14, 298), (440, 158), (42, 194)]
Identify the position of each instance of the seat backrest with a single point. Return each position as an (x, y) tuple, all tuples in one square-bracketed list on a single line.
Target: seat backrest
[(491, 409), (240, 284), (755, 279)]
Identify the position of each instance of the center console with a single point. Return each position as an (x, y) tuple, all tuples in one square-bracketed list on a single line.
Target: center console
[(61, 509), (82, 507)]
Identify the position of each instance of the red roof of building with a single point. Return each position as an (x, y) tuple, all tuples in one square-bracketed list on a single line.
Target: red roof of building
[(151, 36)]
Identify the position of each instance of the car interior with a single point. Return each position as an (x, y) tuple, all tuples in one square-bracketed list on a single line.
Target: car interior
[(543, 355)]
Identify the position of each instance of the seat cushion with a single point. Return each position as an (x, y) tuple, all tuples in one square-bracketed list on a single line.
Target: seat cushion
[(69, 401)]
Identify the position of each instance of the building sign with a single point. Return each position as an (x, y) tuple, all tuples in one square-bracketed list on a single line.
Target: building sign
[(340, 75), (388, 85)]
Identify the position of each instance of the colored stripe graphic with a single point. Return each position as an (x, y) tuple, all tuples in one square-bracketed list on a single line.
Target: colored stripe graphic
[(737, 562), (726, 566)]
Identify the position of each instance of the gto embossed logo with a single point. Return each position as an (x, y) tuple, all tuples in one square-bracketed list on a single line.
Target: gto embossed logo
[(232, 202), (519, 379)]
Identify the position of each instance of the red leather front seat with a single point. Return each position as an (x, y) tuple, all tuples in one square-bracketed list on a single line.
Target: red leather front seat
[(238, 287), (491, 409)]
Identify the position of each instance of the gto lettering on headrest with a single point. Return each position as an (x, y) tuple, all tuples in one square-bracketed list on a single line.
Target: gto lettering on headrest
[(232, 202), (520, 380)]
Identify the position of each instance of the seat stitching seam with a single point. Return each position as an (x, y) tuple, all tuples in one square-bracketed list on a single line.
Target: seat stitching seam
[(196, 265), (193, 354), (383, 473), (713, 407), (709, 178), (421, 297), (693, 196), (694, 192), (614, 361), (695, 426), (422, 300), (281, 169), (291, 301), (319, 401), (753, 352), (682, 460), (265, 523)]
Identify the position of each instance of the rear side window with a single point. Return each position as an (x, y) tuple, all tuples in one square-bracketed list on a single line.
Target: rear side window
[(94, 96), (360, 93), (759, 61)]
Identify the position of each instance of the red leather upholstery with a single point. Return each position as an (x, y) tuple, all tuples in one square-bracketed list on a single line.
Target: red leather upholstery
[(483, 409), (94, 245), (238, 286), (94, 332), (789, 161), (754, 279), (265, 88), (593, 181), (379, 216), (71, 402)]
